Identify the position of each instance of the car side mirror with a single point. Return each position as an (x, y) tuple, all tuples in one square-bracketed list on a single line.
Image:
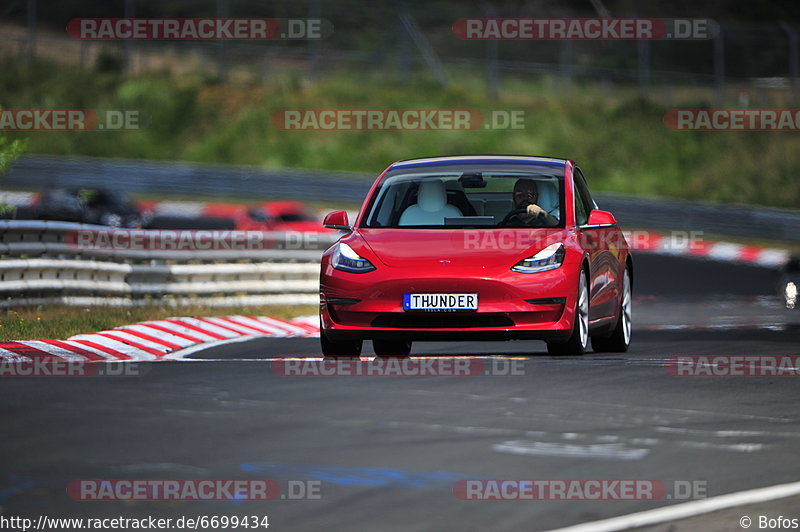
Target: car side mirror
[(337, 220), (600, 219)]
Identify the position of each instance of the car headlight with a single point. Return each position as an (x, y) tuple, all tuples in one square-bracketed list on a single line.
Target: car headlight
[(549, 258), (790, 292), (347, 260)]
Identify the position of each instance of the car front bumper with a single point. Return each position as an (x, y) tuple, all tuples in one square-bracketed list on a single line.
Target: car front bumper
[(511, 305)]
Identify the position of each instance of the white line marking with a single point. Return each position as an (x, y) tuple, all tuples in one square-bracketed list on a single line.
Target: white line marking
[(733, 447), (180, 355), (614, 451), (687, 509)]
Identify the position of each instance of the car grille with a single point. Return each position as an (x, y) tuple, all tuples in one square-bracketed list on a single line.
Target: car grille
[(441, 321)]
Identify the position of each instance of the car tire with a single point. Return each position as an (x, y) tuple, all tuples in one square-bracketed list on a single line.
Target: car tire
[(391, 348), (339, 349), (620, 338), (579, 340)]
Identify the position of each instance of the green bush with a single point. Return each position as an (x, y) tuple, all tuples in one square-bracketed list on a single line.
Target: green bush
[(620, 142)]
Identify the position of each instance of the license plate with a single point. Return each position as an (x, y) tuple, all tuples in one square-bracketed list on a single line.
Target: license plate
[(443, 302)]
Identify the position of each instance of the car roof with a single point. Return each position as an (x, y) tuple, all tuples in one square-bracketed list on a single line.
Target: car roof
[(480, 159)]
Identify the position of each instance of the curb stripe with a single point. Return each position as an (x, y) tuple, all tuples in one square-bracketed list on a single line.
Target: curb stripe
[(162, 327), (92, 345), (51, 350), (10, 356), (23, 350), (161, 336), (261, 329), (115, 345), (309, 324), (143, 345), (184, 323), (227, 327), (665, 244), (297, 327), (93, 357), (207, 324), (150, 338), (261, 326), (130, 344)]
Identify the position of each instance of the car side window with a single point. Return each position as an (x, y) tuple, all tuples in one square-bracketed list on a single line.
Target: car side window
[(584, 204)]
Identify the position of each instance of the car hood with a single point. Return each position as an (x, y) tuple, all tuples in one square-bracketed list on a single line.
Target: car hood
[(475, 247)]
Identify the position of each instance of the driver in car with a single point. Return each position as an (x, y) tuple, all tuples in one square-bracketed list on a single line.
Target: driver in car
[(526, 194)]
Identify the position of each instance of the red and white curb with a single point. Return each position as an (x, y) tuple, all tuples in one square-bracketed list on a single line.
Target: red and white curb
[(156, 340), (677, 244)]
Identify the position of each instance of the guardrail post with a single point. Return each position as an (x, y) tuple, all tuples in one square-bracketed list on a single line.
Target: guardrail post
[(794, 57), (31, 15), (492, 52), (719, 68)]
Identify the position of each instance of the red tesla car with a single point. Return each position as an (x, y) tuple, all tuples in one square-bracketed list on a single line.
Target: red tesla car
[(477, 247)]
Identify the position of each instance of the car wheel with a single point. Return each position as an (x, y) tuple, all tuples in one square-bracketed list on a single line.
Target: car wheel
[(339, 349), (391, 348), (576, 345), (620, 339)]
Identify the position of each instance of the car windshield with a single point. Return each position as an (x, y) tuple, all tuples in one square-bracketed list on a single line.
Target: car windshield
[(472, 197)]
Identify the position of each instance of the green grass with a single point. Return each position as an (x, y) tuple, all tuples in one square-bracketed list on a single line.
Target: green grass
[(60, 322), (620, 142)]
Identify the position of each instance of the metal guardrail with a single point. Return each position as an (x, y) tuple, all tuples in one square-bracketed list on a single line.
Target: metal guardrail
[(749, 221), (248, 181), (40, 265), (191, 179)]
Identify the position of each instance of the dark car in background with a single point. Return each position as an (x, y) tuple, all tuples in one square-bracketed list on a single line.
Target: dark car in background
[(111, 208), (91, 206), (59, 204)]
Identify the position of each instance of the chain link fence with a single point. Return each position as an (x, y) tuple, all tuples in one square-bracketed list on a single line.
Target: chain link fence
[(747, 63)]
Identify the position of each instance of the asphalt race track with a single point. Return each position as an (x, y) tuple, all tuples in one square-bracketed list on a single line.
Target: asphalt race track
[(388, 450)]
